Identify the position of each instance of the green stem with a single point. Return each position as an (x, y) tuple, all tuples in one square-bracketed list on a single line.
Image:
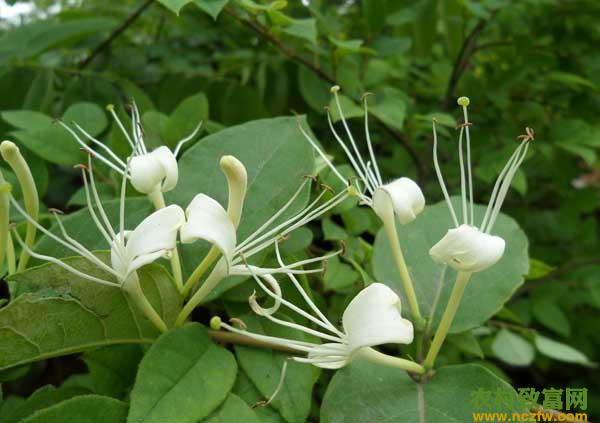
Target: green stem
[(10, 255), (212, 255), (4, 217), (11, 154), (218, 273), (390, 230), (387, 360), (158, 200), (462, 278), (132, 287)]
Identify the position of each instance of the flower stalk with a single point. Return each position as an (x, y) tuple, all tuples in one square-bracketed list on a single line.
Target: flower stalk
[(11, 154), (5, 189), (462, 278), (134, 290), (375, 356)]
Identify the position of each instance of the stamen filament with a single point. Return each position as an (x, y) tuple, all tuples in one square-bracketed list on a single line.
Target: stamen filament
[(182, 142), (111, 109), (369, 144), (463, 190), (323, 155), (469, 172), (441, 178)]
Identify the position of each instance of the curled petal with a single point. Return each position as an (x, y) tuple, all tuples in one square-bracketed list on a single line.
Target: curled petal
[(154, 236), (403, 197), (169, 164), (373, 318), (468, 249), (208, 220), (155, 171)]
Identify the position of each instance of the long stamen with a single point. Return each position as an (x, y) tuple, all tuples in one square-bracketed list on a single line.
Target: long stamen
[(369, 144), (111, 110), (277, 388), (441, 178), (355, 165), (284, 342), (94, 191), (186, 139), (91, 210), (136, 124), (323, 155), (335, 90), (100, 144), (469, 172), (463, 191), (505, 186), (61, 263), (122, 207), (499, 180)]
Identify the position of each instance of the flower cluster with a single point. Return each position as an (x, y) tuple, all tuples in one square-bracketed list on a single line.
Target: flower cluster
[(372, 318)]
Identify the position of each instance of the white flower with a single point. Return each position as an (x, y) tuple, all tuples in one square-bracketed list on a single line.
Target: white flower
[(402, 196), (466, 247), (372, 318), (153, 238), (149, 171)]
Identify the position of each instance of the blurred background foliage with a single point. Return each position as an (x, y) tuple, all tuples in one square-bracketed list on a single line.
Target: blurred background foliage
[(522, 63)]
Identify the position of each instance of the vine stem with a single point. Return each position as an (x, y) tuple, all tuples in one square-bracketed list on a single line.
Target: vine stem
[(158, 200), (390, 228), (462, 278)]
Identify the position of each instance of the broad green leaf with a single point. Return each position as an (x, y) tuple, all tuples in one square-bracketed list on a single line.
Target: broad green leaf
[(389, 106), (174, 6), (367, 392), (466, 342), (234, 409), (41, 92), (44, 397), (486, 292), (559, 351), (82, 409), (212, 7), (314, 90), (552, 316), (264, 367), (89, 116), (112, 369), (276, 157), (187, 116), (246, 390), (26, 119), (512, 348), (58, 313), (182, 378)]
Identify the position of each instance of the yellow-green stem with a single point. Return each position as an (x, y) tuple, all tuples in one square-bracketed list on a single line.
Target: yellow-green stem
[(462, 278), (132, 287), (210, 258), (158, 200), (10, 255), (388, 360), (218, 273), (4, 217), (390, 230), (11, 154)]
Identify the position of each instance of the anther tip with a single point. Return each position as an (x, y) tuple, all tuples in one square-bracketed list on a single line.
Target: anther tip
[(463, 101), (366, 95), (110, 107), (55, 210), (215, 323), (334, 89)]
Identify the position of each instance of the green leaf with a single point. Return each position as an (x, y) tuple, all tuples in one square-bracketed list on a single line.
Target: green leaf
[(58, 313), (112, 369), (551, 315), (186, 117), (367, 392), (390, 107), (332, 231), (248, 392), (264, 367), (182, 378), (466, 342), (513, 349), (338, 275), (44, 397), (212, 7), (41, 92), (82, 409), (314, 90), (559, 351), (486, 292), (26, 119), (174, 6), (349, 108), (538, 269), (89, 116), (276, 157), (234, 409)]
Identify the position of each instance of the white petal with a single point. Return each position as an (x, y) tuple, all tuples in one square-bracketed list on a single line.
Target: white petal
[(147, 173), (322, 355), (373, 318), (156, 233), (169, 164), (208, 220), (468, 249), (142, 260), (402, 196)]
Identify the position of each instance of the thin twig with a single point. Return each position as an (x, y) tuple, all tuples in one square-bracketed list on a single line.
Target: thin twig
[(463, 60), (115, 33), (237, 339), (296, 57)]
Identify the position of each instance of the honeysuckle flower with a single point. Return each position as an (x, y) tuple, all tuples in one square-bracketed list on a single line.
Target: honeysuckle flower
[(150, 172), (401, 197), (153, 238), (467, 247), (207, 219), (372, 318)]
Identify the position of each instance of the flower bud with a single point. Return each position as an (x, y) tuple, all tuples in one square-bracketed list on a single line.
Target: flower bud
[(237, 182), (468, 249), (155, 171), (401, 197)]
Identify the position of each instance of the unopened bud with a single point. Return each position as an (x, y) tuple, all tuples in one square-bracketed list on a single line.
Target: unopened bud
[(237, 182)]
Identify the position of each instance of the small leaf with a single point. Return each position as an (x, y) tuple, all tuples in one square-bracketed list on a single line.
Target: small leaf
[(551, 315), (212, 7), (513, 349), (234, 409), (467, 343), (559, 351), (174, 6), (538, 269), (82, 409), (338, 275), (182, 378), (187, 116)]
